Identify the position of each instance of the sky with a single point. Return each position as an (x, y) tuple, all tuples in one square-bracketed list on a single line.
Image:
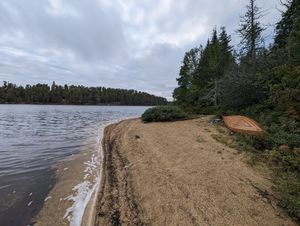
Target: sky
[(131, 44)]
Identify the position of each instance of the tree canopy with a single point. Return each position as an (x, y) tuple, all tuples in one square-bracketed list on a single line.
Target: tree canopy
[(57, 94), (262, 83)]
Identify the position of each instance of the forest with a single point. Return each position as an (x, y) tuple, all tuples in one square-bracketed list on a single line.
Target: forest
[(262, 82), (77, 95)]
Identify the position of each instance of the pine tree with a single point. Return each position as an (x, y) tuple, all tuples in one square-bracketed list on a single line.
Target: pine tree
[(190, 63), (284, 85), (293, 41), (250, 32), (209, 64), (241, 88), (227, 58), (216, 61), (285, 26), (43, 94)]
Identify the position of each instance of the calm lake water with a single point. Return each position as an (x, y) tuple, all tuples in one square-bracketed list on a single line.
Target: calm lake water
[(35, 137)]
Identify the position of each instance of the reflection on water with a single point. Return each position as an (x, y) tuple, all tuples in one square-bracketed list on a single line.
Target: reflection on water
[(33, 138)]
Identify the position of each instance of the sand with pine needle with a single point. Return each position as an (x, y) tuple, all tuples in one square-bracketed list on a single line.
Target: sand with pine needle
[(179, 174)]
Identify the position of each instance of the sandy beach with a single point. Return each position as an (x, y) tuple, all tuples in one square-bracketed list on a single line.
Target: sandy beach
[(179, 174), (173, 173)]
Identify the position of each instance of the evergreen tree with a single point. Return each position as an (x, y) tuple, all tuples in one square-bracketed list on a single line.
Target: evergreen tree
[(293, 43), (209, 65), (227, 58), (43, 94), (216, 61), (265, 85), (285, 26), (284, 82), (242, 88), (187, 72), (250, 32)]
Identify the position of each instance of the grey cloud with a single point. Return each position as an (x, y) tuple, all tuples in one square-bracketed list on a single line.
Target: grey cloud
[(90, 30), (127, 44)]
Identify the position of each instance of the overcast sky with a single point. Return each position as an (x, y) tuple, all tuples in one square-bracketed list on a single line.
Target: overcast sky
[(134, 44)]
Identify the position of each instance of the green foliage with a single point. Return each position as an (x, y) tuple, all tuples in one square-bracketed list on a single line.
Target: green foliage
[(287, 159), (287, 180), (286, 25), (163, 114), (285, 131), (239, 90), (288, 184), (282, 139), (200, 73), (240, 87), (294, 41), (250, 31), (43, 94), (187, 71), (263, 84)]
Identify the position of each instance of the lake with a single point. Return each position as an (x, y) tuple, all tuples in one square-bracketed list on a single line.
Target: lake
[(33, 138)]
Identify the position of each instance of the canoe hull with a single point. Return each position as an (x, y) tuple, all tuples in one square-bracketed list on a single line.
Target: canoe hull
[(242, 124)]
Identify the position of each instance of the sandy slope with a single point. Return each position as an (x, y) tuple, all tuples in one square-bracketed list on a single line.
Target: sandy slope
[(178, 174)]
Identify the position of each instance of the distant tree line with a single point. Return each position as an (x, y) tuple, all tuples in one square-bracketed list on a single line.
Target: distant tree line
[(78, 95), (257, 81)]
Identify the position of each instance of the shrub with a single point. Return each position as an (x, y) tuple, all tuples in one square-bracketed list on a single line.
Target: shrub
[(163, 114), (288, 185)]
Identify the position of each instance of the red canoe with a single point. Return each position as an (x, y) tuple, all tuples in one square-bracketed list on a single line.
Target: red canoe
[(242, 124)]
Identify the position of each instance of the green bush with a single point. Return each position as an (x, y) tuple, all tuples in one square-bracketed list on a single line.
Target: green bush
[(163, 114), (286, 159), (288, 185)]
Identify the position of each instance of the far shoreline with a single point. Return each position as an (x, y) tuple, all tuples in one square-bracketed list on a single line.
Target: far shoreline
[(104, 105)]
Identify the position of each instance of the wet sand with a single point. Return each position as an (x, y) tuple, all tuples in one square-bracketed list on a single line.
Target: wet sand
[(70, 174), (24, 200), (179, 174)]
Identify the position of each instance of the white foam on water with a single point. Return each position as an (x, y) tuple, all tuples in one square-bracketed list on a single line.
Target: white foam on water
[(5, 186), (47, 198), (87, 189), (83, 192)]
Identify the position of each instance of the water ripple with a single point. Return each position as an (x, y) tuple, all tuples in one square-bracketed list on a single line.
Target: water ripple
[(34, 137)]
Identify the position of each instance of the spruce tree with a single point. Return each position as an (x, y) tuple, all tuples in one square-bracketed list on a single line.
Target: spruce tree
[(284, 91), (293, 41), (187, 72), (250, 32), (285, 26), (209, 64), (227, 58), (241, 88)]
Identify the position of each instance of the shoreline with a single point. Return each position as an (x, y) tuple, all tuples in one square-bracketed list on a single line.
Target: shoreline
[(86, 105), (78, 180), (73, 189), (52, 143), (73, 197), (107, 203), (178, 173)]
